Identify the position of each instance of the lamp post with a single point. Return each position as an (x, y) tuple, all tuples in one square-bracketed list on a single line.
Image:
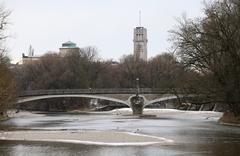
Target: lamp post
[(137, 79), (137, 102)]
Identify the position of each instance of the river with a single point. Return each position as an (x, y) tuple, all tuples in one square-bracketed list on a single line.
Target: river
[(193, 133)]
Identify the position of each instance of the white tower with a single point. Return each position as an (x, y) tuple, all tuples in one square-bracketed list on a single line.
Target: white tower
[(140, 42), (30, 51)]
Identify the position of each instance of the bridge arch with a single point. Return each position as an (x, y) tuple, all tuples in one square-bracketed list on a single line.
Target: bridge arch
[(167, 98), (34, 98), (172, 97)]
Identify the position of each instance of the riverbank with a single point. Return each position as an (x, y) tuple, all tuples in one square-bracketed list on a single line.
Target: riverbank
[(228, 118), (3, 118), (90, 138)]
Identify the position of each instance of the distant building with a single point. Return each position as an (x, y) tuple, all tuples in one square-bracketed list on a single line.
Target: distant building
[(140, 43), (68, 47), (114, 63), (30, 57)]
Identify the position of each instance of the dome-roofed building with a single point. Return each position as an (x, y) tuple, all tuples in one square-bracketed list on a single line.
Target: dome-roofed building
[(69, 44), (68, 47)]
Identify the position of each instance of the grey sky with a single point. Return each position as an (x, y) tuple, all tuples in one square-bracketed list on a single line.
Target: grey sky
[(105, 24)]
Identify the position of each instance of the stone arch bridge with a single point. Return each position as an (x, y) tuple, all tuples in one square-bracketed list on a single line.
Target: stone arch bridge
[(136, 99)]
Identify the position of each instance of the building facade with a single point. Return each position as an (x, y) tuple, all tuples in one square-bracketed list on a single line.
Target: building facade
[(30, 58), (140, 43), (67, 48)]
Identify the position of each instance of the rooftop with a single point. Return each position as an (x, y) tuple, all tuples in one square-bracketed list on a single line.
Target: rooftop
[(69, 44)]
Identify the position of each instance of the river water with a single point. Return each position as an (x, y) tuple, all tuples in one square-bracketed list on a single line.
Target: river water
[(193, 133)]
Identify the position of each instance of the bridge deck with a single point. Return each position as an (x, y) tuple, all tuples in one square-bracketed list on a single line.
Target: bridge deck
[(94, 91)]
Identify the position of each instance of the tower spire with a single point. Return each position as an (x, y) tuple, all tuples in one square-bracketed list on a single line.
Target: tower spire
[(140, 41), (139, 17)]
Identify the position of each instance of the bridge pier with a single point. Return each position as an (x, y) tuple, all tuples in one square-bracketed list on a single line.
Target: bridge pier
[(137, 104)]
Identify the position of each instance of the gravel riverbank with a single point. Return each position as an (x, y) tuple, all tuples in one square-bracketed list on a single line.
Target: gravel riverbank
[(94, 138)]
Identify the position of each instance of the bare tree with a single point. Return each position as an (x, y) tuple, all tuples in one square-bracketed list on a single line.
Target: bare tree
[(211, 46), (7, 83)]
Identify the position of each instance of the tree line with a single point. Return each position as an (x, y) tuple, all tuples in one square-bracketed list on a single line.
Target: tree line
[(83, 69)]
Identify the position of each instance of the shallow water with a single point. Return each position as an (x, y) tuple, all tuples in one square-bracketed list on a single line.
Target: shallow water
[(194, 133)]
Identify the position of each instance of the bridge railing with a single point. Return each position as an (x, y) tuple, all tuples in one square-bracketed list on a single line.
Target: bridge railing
[(94, 91)]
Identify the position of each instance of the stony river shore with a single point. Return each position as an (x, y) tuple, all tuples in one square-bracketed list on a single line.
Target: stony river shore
[(92, 138)]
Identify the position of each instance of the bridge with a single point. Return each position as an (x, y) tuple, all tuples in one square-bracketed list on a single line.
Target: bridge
[(136, 99)]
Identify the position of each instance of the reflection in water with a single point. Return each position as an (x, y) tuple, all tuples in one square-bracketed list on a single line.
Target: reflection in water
[(193, 135), (43, 149), (56, 149)]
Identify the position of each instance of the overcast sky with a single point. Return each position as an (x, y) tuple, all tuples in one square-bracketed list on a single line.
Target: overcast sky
[(106, 24)]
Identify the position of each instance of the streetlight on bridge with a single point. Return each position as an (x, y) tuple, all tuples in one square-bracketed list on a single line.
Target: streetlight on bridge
[(137, 79)]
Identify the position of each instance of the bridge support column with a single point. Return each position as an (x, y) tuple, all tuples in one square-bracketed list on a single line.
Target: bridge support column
[(137, 104)]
